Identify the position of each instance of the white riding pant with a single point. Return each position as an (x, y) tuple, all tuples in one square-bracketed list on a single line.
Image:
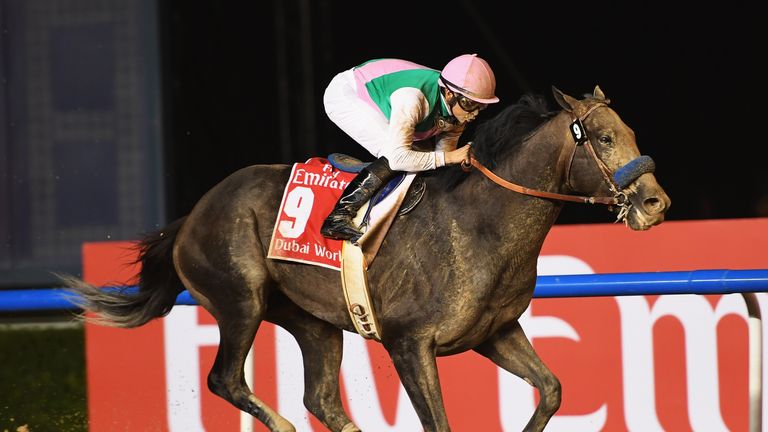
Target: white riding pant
[(354, 116)]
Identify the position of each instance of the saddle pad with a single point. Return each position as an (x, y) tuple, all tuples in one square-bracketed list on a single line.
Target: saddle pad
[(312, 191)]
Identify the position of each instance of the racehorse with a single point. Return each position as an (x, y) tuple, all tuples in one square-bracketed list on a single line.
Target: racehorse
[(454, 274)]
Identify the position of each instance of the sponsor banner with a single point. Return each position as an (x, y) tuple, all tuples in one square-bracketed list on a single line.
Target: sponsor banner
[(639, 363), (311, 193)]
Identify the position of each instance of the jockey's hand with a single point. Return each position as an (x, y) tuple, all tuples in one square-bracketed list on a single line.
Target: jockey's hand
[(458, 156)]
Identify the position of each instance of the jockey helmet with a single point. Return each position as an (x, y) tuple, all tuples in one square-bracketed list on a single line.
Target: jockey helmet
[(470, 76)]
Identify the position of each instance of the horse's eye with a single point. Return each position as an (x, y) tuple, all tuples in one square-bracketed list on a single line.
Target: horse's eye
[(605, 139)]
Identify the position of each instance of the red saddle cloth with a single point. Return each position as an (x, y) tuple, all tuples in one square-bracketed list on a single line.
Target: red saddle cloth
[(312, 191)]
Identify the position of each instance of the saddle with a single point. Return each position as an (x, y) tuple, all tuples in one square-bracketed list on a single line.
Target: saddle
[(416, 191)]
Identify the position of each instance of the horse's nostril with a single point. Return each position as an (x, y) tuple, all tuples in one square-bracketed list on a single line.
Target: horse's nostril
[(653, 205)]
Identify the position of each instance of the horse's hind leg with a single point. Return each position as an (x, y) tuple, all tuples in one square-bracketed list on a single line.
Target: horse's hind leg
[(227, 379), (237, 300), (511, 350), (321, 348)]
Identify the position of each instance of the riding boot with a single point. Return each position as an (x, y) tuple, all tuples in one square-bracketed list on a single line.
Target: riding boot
[(338, 224)]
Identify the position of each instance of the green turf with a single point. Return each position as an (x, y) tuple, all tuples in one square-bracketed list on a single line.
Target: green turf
[(42, 380)]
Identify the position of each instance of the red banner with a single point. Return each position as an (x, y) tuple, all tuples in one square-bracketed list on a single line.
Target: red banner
[(626, 363), (311, 193)]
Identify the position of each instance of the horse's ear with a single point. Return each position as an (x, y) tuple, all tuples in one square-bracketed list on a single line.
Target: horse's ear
[(598, 94), (566, 102)]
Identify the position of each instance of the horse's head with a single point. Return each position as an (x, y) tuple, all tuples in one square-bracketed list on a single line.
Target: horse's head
[(606, 160)]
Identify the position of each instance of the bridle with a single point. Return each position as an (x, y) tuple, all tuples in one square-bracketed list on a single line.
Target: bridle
[(581, 138)]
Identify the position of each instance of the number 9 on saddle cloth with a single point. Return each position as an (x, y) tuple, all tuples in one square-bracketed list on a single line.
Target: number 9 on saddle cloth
[(311, 192)]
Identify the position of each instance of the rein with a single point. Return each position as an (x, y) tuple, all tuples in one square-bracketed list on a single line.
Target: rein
[(619, 198), (534, 192)]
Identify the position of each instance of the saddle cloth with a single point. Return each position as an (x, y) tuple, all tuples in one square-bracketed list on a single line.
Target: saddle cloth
[(311, 193)]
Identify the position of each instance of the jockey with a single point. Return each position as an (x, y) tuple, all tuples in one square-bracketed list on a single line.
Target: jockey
[(386, 105)]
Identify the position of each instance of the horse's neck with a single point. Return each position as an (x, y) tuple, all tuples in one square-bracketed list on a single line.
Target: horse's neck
[(539, 161)]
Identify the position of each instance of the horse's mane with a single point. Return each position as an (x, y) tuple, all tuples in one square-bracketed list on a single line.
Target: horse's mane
[(498, 135)]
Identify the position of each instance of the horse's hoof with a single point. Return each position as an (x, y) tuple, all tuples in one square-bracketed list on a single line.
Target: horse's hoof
[(284, 426), (350, 427)]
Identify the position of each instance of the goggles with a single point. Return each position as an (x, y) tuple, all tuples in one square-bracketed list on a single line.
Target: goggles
[(464, 102), (468, 104)]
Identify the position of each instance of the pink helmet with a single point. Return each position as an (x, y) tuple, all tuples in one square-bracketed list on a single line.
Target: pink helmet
[(471, 76)]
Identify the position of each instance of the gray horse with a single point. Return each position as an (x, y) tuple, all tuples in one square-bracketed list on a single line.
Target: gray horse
[(453, 275)]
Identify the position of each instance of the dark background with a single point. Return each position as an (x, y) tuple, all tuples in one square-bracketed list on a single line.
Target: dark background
[(116, 116), (244, 84)]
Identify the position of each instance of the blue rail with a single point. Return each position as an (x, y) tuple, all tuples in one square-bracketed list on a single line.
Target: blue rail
[(592, 285), (681, 282)]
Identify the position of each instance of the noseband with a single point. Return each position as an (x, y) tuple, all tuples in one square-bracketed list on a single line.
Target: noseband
[(632, 170)]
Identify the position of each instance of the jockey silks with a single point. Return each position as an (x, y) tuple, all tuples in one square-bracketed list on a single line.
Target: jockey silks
[(378, 79)]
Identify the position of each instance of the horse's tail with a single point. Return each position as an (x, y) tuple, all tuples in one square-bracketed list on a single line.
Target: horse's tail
[(159, 284)]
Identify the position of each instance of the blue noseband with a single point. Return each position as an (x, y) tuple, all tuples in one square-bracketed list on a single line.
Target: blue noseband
[(630, 172)]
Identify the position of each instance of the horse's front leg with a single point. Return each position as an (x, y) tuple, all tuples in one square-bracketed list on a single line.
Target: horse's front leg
[(510, 349), (415, 363)]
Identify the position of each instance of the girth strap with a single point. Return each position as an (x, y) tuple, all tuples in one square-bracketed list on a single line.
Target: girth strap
[(357, 294)]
